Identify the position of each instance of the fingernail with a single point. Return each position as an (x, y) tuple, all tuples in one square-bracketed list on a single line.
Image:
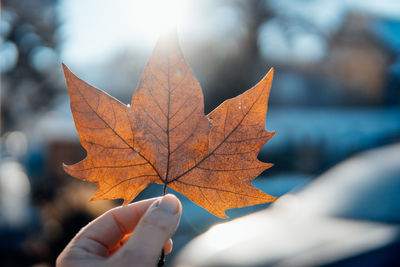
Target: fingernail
[(169, 203), (155, 203)]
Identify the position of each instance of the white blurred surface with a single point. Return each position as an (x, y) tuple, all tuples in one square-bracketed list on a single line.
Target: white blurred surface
[(304, 229)]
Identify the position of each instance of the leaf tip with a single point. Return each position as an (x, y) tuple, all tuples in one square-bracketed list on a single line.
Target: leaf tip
[(67, 73), (168, 42), (66, 168), (270, 135), (266, 82), (270, 75), (221, 214), (65, 68), (271, 71), (271, 199), (269, 165)]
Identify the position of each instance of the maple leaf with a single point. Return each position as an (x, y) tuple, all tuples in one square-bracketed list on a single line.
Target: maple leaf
[(164, 137)]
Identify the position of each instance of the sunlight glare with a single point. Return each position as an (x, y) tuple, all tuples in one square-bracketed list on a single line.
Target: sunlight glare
[(133, 24), (156, 17)]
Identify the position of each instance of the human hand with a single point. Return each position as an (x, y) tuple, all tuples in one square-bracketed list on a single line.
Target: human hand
[(151, 223)]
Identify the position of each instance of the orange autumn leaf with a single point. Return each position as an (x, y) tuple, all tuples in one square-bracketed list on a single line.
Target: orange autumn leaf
[(164, 136)]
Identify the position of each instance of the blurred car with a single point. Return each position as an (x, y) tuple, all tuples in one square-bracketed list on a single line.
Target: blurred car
[(349, 216)]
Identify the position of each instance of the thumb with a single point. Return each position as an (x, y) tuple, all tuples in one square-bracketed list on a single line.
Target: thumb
[(154, 229)]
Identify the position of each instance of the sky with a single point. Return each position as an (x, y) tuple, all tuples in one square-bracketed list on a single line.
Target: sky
[(93, 30)]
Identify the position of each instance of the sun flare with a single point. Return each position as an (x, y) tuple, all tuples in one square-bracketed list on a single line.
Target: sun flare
[(156, 16)]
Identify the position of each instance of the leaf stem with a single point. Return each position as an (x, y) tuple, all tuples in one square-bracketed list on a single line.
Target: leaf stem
[(161, 260)]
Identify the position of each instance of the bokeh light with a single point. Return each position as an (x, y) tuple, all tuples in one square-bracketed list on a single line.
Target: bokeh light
[(14, 196)]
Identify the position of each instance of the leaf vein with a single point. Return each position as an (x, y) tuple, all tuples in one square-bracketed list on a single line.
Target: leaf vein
[(83, 97), (222, 142), (111, 167), (216, 189), (229, 170), (184, 103), (184, 119), (127, 180)]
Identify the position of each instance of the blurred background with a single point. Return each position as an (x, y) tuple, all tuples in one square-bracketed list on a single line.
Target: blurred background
[(336, 92)]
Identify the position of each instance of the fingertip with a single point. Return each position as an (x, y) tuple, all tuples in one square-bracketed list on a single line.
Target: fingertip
[(170, 203)]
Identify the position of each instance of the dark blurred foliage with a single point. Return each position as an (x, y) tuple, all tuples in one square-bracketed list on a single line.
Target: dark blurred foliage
[(240, 71), (335, 93), (29, 85), (29, 50)]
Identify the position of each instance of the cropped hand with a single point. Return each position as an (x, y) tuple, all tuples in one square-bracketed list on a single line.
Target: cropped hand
[(147, 225)]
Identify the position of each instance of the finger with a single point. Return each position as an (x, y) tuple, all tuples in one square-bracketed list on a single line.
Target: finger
[(154, 229), (105, 232), (168, 246)]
